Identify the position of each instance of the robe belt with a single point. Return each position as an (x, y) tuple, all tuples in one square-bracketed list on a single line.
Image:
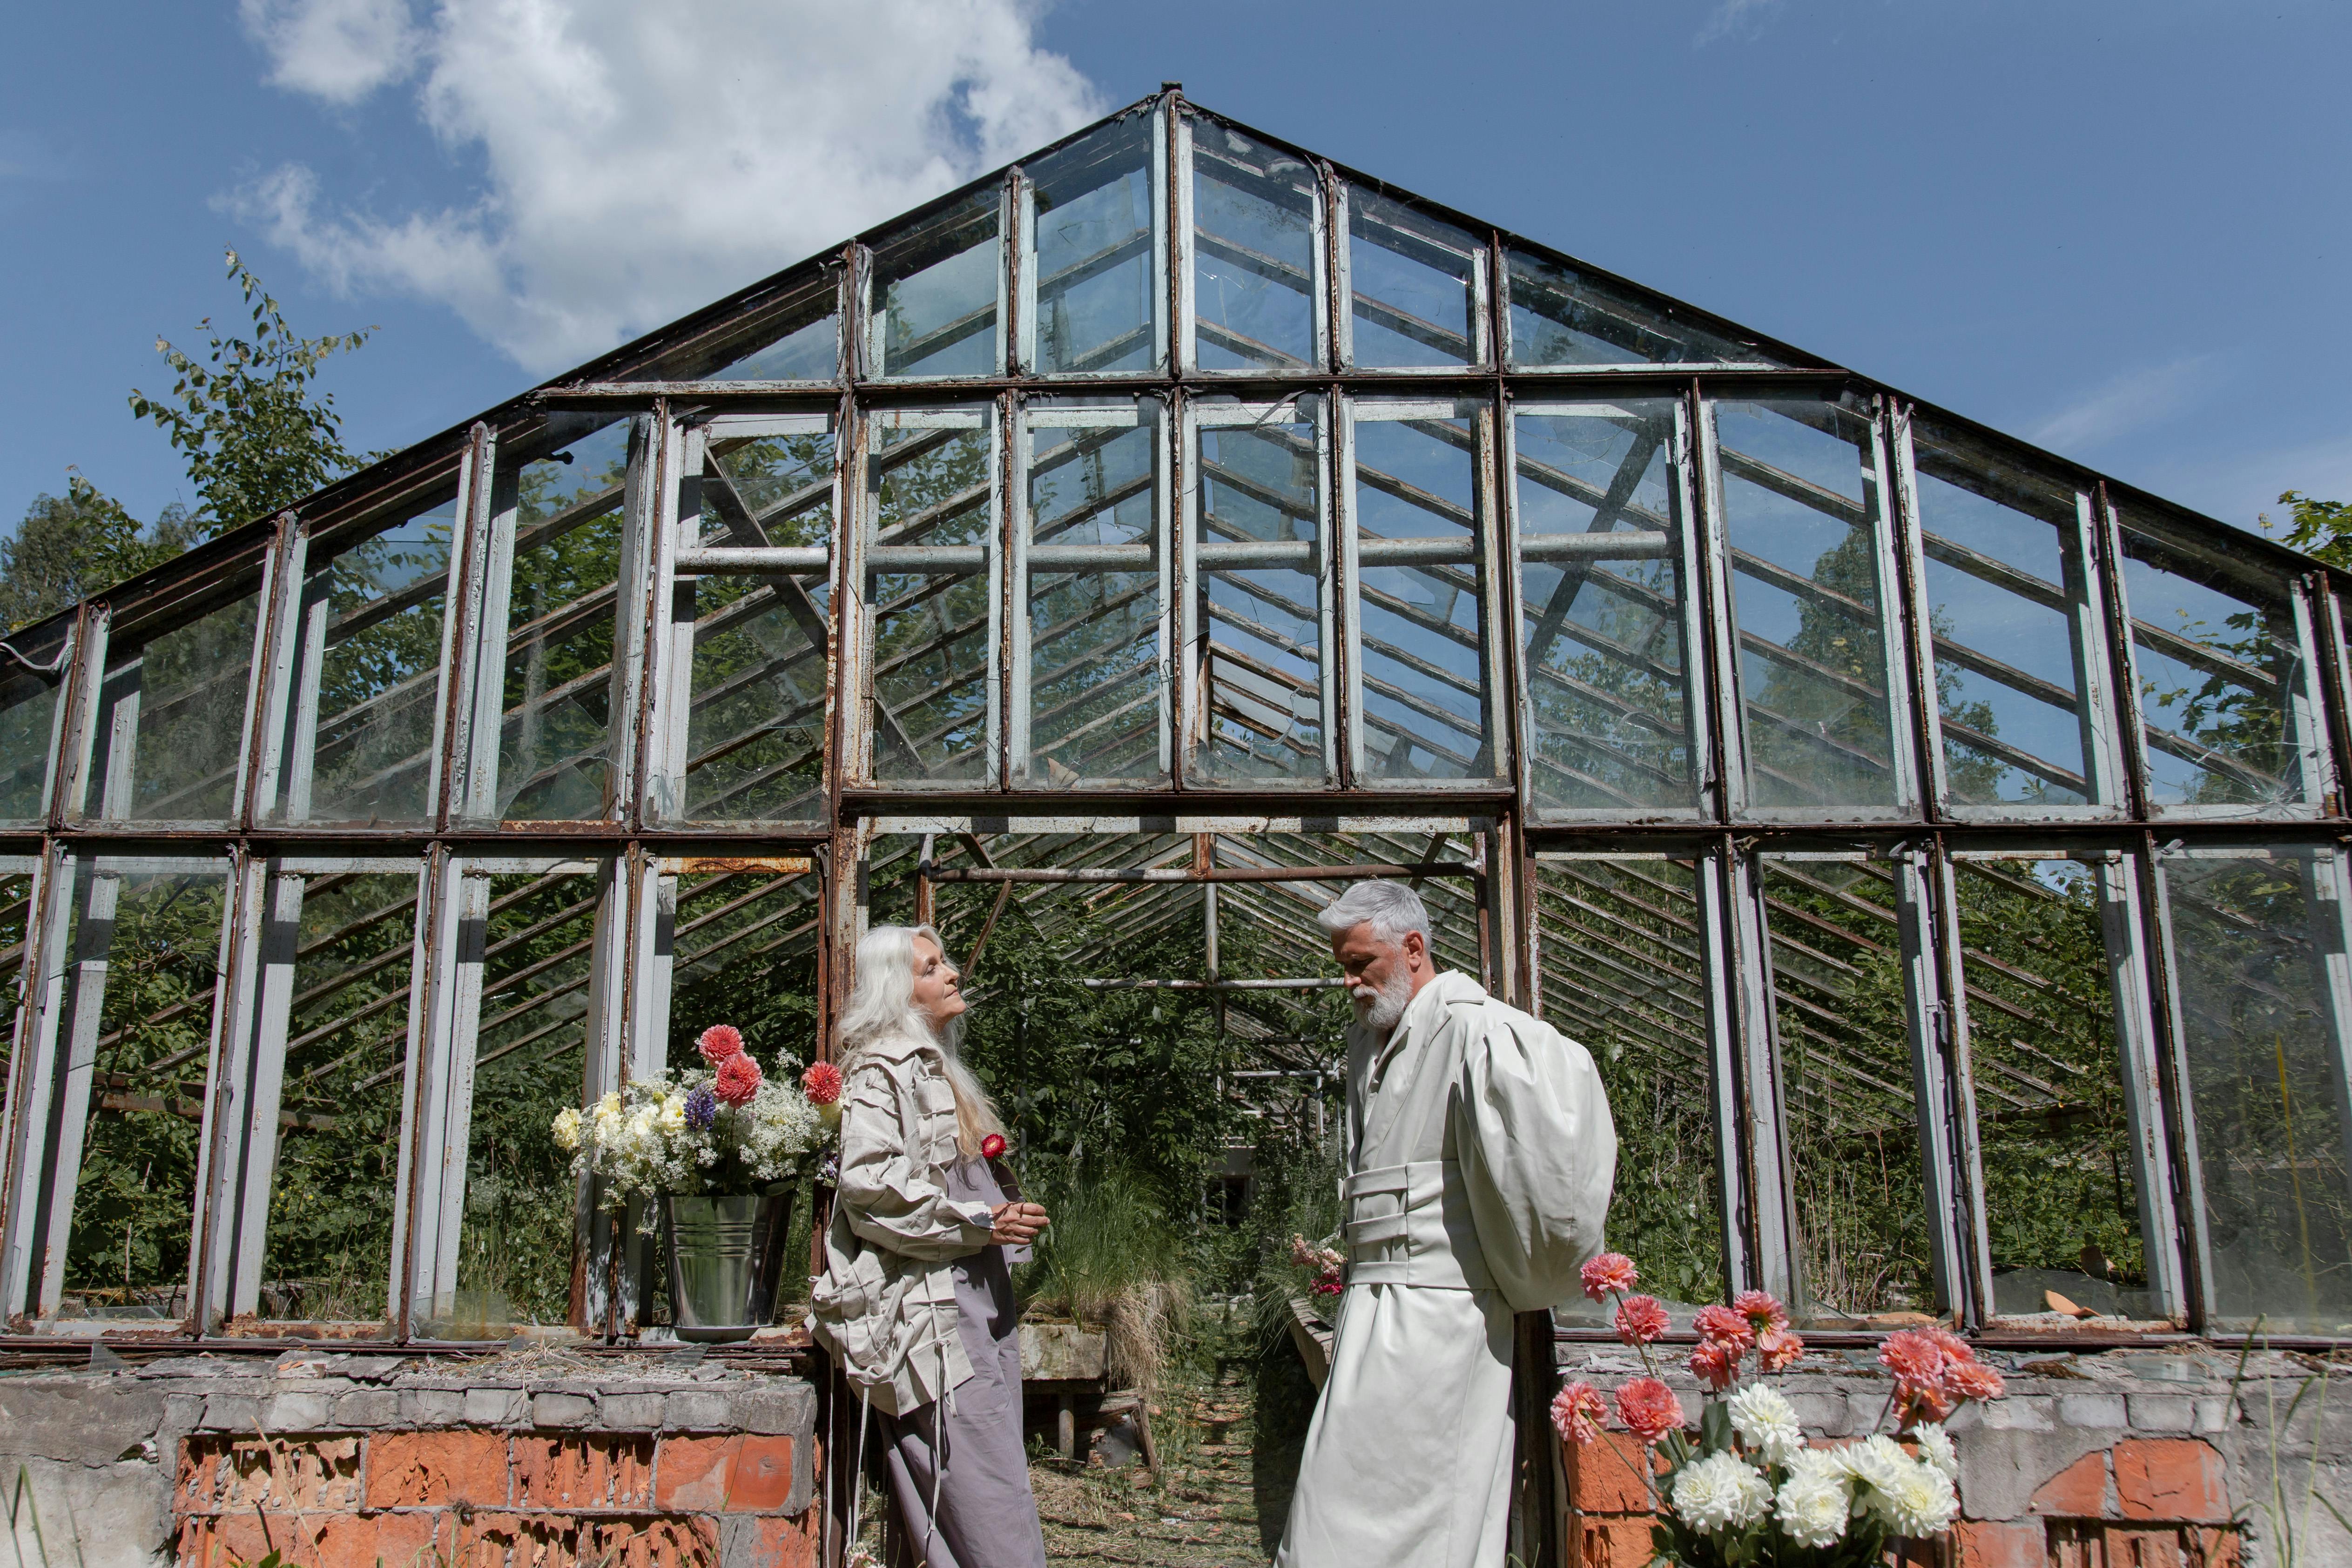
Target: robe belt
[(1411, 1225)]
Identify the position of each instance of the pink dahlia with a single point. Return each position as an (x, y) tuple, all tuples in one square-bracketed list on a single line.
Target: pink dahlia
[(1777, 1348), (1641, 1321), (719, 1042), (1920, 1402), (821, 1083), (1912, 1357), (1723, 1326), (1610, 1272), (738, 1080), (1760, 1308), (1649, 1409), (1954, 1347), (1577, 1411), (1715, 1364), (1973, 1380)]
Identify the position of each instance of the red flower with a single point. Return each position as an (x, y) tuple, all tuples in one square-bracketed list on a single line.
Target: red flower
[(1760, 1308), (1612, 1271), (738, 1080), (1912, 1357), (1777, 1348), (1973, 1380), (1326, 1285), (1649, 1409), (1577, 1412), (1715, 1364), (1723, 1326), (821, 1083), (1641, 1321), (719, 1042), (991, 1146)]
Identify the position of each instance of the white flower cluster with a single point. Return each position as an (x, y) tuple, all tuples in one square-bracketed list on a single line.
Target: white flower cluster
[(784, 1130), (668, 1134), (1822, 1489)]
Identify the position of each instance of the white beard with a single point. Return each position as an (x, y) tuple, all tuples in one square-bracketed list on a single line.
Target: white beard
[(1379, 1010)]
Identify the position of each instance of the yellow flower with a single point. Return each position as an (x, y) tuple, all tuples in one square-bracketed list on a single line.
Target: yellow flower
[(567, 1129)]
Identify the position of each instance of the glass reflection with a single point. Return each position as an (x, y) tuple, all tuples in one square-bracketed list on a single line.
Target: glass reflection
[(1256, 222), (937, 289), (1097, 307), (1414, 285)]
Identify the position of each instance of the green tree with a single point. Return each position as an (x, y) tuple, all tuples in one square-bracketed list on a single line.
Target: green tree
[(69, 546), (2323, 529)]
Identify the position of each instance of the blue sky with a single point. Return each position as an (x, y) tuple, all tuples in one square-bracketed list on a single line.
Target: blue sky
[(2117, 229)]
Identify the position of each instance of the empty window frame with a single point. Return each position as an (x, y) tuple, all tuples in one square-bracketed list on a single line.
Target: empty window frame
[(1090, 572), (1799, 485), (354, 725), (163, 740), (937, 294), (543, 717), (1626, 960), (1094, 272), (1253, 292), (1562, 316), (1609, 621), (2255, 939), (2066, 1136), (1416, 288), (933, 585), (2016, 635), (2222, 660), (742, 727), (1417, 573), (1259, 697), (33, 667)]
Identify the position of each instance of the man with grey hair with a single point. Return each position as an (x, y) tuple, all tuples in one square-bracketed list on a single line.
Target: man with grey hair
[(1476, 1173)]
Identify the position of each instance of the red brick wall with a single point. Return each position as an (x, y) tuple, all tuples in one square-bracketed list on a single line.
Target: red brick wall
[(472, 1498)]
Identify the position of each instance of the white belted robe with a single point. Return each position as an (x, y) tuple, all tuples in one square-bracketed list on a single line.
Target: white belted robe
[(1480, 1160)]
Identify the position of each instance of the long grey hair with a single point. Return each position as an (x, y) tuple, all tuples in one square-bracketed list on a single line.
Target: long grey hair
[(882, 1006)]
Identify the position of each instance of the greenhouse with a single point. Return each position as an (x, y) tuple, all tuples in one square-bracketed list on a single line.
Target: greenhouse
[(1939, 846)]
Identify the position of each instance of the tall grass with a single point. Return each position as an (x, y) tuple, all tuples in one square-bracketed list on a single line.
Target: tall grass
[(1110, 1257)]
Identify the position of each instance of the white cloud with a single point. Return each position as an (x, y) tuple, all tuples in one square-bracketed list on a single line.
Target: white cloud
[(2128, 402), (1731, 16), (339, 51), (639, 161)]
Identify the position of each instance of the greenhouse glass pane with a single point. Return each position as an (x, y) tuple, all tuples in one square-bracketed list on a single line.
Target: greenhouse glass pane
[(1563, 315), (1253, 263), (1414, 283), (1096, 305), (937, 285), (931, 486), (178, 698), (806, 352), (28, 721)]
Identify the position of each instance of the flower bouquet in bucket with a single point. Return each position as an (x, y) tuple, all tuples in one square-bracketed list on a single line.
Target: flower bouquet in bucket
[(712, 1152), (1751, 1489)]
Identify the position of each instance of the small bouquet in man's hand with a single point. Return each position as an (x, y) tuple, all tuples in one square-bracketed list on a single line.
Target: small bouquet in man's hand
[(1325, 1267)]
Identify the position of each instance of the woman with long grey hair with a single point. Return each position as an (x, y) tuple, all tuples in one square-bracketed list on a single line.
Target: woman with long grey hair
[(916, 1302)]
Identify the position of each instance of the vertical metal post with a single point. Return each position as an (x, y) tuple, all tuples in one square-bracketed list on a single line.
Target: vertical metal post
[(242, 1109), (35, 1072), (1932, 988)]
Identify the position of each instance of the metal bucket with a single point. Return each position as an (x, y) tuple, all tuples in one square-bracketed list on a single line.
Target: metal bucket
[(726, 1255)]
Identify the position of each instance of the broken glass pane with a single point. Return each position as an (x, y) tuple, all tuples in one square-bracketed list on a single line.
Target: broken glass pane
[(171, 720), (1421, 595), (755, 730), (807, 352), (1097, 683), (1256, 222), (360, 718), (28, 722), (135, 1023), (2254, 938), (2008, 604), (937, 289), (2062, 1191), (1601, 494), (2232, 727), (1256, 621), (1622, 957), (1097, 292), (1562, 315), (1415, 285), (930, 495), (1852, 1115), (554, 740), (329, 1257), (1804, 518)]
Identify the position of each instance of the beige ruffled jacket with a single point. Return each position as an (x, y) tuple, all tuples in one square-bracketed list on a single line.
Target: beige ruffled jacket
[(885, 1305)]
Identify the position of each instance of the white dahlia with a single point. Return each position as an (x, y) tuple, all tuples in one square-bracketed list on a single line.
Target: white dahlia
[(1718, 1490), (1768, 1421), (1936, 1448), (1813, 1507), (1918, 1501)]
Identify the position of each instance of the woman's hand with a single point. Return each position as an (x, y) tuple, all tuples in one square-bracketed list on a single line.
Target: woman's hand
[(1017, 1224)]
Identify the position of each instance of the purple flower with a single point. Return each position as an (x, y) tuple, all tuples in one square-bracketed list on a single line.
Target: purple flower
[(701, 1109)]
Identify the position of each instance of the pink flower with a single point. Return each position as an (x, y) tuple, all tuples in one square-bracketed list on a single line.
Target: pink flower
[(1973, 1380), (1723, 1326), (1578, 1412), (1920, 1402), (1715, 1364), (1301, 1254), (719, 1042), (738, 1080), (1954, 1347), (1649, 1409), (1777, 1348), (1641, 1321), (1761, 1309), (1912, 1357), (821, 1083), (1612, 1271)]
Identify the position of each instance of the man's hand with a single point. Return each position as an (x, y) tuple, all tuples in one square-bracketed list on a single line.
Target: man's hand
[(1017, 1224)]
